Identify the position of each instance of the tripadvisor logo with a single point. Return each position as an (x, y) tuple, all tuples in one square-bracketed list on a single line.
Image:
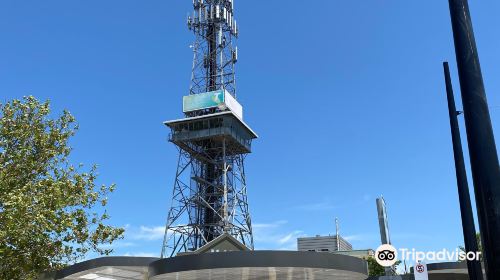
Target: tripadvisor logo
[(386, 255)]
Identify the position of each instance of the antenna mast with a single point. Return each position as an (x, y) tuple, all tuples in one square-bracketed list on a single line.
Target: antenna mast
[(337, 233), (215, 56)]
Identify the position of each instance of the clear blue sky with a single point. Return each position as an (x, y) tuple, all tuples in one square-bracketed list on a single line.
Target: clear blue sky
[(347, 97)]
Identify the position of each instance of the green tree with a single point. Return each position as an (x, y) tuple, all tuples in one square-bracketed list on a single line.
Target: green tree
[(479, 245), (51, 212), (375, 269)]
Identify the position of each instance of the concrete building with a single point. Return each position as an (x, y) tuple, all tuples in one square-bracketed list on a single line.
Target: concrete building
[(323, 244), (362, 254)]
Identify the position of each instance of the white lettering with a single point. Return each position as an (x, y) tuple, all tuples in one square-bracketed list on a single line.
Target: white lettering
[(404, 253), (441, 255), (471, 256), (462, 256), (419, 256)]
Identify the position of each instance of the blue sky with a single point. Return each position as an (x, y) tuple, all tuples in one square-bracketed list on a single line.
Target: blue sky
[(347, 97)]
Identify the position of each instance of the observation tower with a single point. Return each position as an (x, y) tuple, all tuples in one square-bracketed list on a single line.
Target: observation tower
[(210, 192)]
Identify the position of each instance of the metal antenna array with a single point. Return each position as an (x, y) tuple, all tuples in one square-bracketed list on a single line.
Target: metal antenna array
[(210, 194), (214, 26)]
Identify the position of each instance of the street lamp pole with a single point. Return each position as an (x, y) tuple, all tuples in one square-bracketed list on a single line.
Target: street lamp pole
[(468, 227), (482, 148)]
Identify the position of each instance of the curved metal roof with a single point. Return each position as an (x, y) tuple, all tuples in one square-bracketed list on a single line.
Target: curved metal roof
[(222, 265), (259, 259)]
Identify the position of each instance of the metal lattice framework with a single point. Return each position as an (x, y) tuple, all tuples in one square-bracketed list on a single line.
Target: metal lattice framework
[(209, 199), (215, 29), (210, 193)]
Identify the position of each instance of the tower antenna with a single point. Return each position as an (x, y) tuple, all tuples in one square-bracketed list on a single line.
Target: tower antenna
[(337, 233)]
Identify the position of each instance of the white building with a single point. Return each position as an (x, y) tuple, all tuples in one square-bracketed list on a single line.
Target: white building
[(323, 244)]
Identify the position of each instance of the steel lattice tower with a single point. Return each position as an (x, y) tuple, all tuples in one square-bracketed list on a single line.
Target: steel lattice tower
[(214, 26), (210, 192)]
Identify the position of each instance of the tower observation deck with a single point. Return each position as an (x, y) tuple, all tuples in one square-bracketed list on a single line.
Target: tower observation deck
[(210, 192)]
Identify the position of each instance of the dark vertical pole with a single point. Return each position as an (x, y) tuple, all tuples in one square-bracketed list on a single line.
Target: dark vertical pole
[(469, 230), (482, 148), (212, 57)]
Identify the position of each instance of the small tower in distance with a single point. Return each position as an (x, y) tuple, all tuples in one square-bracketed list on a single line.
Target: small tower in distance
[(383, 221)]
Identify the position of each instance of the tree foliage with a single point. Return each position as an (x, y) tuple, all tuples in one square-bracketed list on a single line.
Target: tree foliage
[(51, 212), (375, 269), (479, 245)]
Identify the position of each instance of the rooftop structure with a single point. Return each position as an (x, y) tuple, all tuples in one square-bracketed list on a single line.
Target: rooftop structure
[(232, 265), (323, 244), (363, 253), (225, 257)]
